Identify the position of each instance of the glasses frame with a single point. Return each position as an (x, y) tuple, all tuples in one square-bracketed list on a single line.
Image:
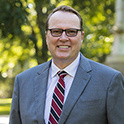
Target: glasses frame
[(65, 32)]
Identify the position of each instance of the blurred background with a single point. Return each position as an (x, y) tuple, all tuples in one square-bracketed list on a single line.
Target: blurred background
[(22, 34)]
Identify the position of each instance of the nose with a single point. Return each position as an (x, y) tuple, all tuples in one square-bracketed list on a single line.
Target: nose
[(63, 37)]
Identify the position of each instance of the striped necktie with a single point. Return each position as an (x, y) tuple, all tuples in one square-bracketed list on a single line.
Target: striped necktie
[(57, 100)]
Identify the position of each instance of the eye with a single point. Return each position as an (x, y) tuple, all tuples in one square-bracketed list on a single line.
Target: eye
[(71, 31), (56, 31)]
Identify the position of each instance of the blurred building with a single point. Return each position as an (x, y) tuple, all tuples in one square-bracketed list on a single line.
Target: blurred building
[(116, 59)]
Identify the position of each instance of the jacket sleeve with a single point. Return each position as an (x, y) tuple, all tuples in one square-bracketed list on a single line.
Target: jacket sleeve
[(15, 112), (115, 100)]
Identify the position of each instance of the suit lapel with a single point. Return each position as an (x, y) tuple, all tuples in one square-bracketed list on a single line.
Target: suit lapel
[(78, 86), (40, 88)]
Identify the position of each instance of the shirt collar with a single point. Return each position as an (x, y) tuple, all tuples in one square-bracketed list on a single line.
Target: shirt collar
[(70, 69), (54, 69)]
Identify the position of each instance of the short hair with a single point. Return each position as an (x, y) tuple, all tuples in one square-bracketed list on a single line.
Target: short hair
[(64, 8)]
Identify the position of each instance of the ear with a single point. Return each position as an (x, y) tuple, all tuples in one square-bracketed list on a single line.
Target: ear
[(82, 36)]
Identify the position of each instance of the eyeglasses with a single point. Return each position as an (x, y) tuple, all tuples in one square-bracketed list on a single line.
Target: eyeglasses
[(71, 32)]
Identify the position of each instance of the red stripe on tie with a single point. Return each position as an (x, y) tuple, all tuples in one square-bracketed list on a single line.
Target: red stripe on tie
[(59, 94), (52, 120), (56, 107), (62, 82)]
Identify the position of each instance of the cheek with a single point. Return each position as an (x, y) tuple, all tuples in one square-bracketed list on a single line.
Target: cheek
[(80, 41), (51, 43), (77, 43), (52, 40)]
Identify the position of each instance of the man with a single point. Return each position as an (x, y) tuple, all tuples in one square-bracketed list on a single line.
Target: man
[(89, 92)]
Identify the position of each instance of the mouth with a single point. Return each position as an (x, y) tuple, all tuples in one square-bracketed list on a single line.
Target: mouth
[(63, 47)]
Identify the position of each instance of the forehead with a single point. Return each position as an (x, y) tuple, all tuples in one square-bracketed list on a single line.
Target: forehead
[(62, 19)]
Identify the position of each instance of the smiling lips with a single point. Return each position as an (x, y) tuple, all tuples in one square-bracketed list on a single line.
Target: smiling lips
[(64, 47)]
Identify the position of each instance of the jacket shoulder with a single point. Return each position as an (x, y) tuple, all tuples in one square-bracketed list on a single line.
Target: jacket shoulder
[(102, 68), (35, 70)]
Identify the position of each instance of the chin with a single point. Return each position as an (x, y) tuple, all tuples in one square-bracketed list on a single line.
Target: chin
[(62, 57)]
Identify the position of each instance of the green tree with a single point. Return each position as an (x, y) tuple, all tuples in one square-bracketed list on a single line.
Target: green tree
[(98, 19), (22, 33)]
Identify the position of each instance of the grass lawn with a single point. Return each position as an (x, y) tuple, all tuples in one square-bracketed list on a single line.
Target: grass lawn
[(5, 105)]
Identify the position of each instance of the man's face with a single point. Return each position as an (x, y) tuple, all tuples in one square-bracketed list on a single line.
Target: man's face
[(63, 48)]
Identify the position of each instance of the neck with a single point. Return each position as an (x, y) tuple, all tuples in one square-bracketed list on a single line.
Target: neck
[(61, 64)]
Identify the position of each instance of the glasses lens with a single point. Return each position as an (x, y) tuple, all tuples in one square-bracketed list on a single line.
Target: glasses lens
[(56, 32), (71, 32)]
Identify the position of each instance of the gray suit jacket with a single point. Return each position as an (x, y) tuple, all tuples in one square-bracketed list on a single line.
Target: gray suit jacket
[(96, 96)]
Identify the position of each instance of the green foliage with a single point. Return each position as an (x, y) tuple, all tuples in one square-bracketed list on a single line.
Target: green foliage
[(13, 15), (22, 34), (5, 105), (98, 17)]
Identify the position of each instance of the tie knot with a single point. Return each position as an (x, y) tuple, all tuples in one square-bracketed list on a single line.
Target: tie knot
[(62, 74)]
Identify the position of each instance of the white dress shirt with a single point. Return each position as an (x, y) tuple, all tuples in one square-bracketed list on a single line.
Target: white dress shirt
[(52, 81)]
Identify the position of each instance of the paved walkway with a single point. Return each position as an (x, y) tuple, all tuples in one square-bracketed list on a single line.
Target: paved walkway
[(4, 119)]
